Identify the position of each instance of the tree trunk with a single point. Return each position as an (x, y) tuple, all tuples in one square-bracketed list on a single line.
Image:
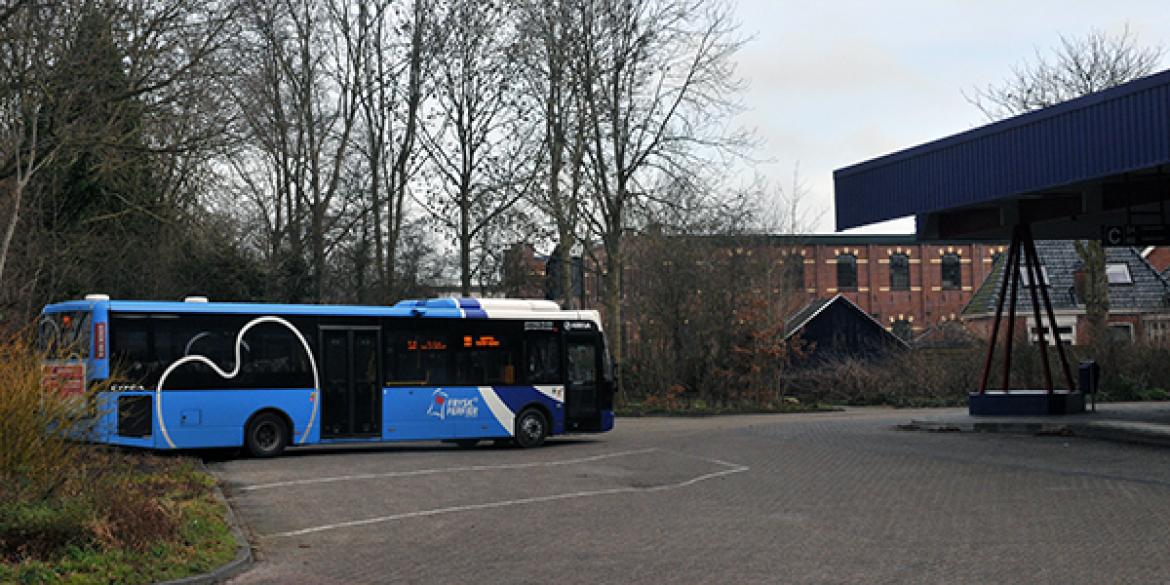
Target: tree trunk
[(565, 251), (10, 229), (318, 243), (612, 302), (465, 249), (392, 237), (1096, 293), (399, 172), (376, 200)]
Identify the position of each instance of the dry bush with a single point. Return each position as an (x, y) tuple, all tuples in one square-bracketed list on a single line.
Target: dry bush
[(55, 492), (110, 501), (132, 511), (939, 377), (36, 453), (898, 378), (672, 400), (1130, 371), (706, 324)]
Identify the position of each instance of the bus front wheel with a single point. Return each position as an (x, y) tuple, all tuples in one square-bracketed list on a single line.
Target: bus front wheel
[(531, 428), (267, 435)]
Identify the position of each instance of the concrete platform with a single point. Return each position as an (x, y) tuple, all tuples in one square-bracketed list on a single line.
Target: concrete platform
[(1025, 403), (1134, 422)]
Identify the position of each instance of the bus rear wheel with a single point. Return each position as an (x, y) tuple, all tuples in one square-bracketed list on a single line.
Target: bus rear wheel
[(266, 436), (531, 428)]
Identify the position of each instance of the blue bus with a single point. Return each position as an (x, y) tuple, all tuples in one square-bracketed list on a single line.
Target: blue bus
[(197, 374)]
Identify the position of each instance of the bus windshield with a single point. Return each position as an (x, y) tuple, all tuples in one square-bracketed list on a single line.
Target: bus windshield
[(65, 336)]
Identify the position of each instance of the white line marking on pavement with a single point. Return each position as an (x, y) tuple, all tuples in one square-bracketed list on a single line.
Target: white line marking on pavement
[(417, 472), (732, 468)]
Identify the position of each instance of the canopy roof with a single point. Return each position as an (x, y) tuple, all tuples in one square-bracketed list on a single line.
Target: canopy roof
[(1070, 170)]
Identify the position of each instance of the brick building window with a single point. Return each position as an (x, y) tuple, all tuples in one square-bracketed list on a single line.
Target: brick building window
[(1066, 328), (1158, 329), (794, 272), (1121, 332), (951, 272), (899, 272), (846, 272)]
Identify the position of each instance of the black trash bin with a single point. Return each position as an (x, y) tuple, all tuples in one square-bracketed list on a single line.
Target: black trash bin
[(1088, 375)]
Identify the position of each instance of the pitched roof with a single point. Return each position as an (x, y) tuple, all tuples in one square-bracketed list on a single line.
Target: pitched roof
[(806, 314), (1149, 291)]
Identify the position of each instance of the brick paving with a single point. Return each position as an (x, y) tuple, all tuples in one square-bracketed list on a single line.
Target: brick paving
[(824, 498)]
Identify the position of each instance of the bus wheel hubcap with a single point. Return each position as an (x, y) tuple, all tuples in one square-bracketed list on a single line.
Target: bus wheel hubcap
[(266, 436), (531, 427)]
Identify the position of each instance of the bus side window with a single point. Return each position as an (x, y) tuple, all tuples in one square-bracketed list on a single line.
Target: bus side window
[(210, 336), (606, 363), (543, 358), (485, 354), (582, 363), (133, 356), (274, 358), (417, 358)]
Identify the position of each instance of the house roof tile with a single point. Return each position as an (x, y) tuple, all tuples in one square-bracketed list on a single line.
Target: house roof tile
[(1149, 290)]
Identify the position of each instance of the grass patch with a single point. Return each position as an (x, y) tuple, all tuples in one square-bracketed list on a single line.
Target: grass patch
[(126, 518), (78, 513)]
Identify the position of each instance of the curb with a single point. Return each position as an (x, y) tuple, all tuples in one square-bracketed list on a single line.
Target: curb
[(1114, 430), (1127, 432), (237, 565), (1014, 427)]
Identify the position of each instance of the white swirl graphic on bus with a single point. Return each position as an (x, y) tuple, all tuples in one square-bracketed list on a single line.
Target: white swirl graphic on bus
[(236, 370)]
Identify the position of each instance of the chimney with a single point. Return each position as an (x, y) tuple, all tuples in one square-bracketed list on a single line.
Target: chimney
[(1080, 281)]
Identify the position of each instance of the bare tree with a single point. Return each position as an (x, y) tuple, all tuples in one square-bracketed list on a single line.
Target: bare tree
[(27, 47), (709, 294), (392, 55), (784, 208), (478, 143), (1078, 66), (549, 29), (299, 101), (116, 94), (657, 82)]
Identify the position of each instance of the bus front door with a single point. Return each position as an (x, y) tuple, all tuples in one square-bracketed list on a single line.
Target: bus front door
[(351, 397), (584, 374)]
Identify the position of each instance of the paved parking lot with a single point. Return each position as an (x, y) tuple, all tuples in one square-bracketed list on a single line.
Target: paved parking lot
[(822, 498)]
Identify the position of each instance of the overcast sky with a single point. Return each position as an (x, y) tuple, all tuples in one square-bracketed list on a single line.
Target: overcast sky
[(838, 82)]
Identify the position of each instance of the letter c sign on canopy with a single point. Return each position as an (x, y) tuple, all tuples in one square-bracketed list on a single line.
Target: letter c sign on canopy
[(1113, 235)]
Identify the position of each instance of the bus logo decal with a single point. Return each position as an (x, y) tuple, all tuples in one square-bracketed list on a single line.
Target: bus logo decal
[(442, 406)]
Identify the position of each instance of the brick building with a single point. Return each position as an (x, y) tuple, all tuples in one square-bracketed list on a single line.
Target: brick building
[(905, 284), (525, 273)]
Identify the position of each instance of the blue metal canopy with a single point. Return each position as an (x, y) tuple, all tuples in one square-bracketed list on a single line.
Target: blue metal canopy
[(1070, 170)]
